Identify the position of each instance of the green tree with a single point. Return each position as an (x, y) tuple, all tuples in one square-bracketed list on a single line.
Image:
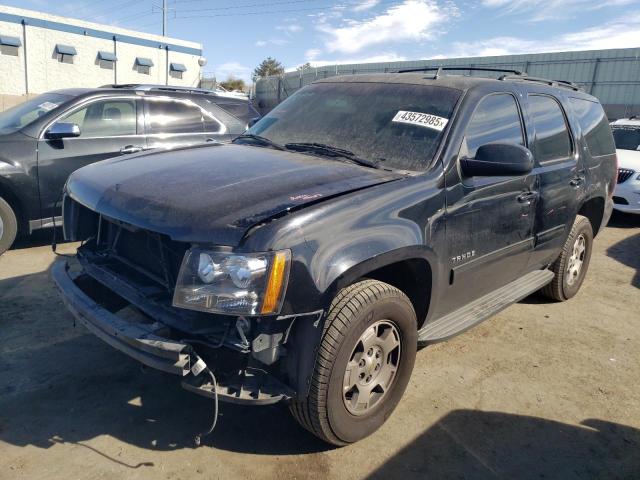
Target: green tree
[(305, 67), (269, 66), (232, 83)]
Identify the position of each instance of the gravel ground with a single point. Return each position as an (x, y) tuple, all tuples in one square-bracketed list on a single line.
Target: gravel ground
[(542, 390)]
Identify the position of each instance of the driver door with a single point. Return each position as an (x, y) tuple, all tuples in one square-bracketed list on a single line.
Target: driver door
[(489, 218), (108, 128)]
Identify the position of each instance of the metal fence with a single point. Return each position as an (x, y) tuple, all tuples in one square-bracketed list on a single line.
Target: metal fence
[(611, 75)]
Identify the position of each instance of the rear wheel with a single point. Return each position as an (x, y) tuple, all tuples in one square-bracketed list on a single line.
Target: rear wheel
[(571, 266), (364, 363), (8, 226)]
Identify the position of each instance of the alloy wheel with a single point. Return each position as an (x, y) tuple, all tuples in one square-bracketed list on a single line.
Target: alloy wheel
[(574, 265), (372, 367)]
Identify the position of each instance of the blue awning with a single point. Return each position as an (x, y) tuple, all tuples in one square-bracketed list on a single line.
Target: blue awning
[(109, 56), (66, 49), (144, 62), (177, 67), (10, 41)]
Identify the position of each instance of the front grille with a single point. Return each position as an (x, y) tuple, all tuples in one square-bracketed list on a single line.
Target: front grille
[(151, 254), (624, 174)]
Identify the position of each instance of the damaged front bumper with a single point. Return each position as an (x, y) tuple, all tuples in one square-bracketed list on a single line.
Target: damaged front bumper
[(147, 341)]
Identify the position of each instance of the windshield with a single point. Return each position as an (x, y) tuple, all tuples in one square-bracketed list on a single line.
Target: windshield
[(21, 115), (394, 125), (627, 137)]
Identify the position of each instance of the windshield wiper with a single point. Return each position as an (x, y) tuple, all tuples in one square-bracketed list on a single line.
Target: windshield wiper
[(331, 151), (263, 140)]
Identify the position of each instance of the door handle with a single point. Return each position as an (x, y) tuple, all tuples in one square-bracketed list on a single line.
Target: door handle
[(527, 197), (130, 149), (576, 181)]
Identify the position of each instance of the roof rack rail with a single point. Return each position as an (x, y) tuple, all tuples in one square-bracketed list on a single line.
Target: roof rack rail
[(147, 87), (553, 83), (441, 69)]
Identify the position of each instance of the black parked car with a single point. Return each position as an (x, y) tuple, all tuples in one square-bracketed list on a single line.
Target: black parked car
[(46, 138), (363, 217)]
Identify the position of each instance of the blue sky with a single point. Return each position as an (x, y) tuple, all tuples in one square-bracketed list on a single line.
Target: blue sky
[(238, 34)]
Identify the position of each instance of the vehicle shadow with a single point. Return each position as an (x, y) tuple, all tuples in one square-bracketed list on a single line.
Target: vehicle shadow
[(39, 238), (60, 384), (627, 252), (474, 444), (623, 220)]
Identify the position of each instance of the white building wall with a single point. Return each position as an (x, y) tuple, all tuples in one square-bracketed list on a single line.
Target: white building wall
[(45, 72), (12, 68)]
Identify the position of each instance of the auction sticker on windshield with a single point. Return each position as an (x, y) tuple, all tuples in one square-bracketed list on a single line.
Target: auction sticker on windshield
[(421, 120)]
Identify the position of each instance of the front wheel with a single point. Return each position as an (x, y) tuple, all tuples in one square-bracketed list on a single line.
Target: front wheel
[(571, 266), (8, 226), (363, 365)]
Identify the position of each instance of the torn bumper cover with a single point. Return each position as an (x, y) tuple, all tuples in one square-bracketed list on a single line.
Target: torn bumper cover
[(139, 341), (147, 343)]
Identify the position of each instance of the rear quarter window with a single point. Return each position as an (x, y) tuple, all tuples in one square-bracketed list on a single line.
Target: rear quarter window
[(595, 126), (552, 140)]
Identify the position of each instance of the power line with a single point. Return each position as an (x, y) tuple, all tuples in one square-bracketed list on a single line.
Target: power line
[(249, 5), (270, 12)]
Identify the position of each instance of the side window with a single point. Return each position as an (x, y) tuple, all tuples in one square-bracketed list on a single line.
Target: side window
[(173, 116), (595, 126), (552, 135), (107, 118), (496, 119)]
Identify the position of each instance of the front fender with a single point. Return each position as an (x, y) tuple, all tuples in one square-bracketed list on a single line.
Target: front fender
[(336, 242)]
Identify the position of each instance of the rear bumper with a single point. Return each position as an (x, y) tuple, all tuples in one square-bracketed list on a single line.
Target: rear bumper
[(138, 340)]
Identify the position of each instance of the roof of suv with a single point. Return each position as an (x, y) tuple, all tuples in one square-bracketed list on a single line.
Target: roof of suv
[(460, 82)]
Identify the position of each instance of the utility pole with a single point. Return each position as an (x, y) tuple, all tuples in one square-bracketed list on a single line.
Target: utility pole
[(164, 18)]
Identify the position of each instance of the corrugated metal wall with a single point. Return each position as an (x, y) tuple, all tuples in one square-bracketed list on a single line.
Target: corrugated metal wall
[(611, 75)]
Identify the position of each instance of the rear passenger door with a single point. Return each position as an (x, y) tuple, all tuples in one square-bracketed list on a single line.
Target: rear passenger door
[(560, 174), (178, 122)]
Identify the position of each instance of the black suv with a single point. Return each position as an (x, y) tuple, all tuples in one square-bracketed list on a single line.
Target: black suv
[(363, 217), (46, 138)]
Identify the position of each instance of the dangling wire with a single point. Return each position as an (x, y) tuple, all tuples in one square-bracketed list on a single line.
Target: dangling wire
[(198, 437)]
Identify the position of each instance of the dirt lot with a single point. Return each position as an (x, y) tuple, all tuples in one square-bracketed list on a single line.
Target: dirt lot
[(541, 390)]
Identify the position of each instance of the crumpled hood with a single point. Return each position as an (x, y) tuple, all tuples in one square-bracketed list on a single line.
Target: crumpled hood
[(629, 159), (212, 194)]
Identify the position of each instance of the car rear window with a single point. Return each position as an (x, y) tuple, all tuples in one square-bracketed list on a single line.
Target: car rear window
[(595, 126)]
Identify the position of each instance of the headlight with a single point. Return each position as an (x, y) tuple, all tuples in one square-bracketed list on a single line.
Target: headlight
[(234, 284)]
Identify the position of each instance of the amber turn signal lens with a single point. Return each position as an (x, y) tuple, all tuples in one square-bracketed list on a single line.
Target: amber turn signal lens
[(277, 279)]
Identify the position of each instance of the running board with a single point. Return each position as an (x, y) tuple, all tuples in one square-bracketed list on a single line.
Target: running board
[(484, 307)]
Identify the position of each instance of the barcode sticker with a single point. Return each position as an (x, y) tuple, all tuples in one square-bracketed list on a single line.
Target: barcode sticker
[(421, 119)]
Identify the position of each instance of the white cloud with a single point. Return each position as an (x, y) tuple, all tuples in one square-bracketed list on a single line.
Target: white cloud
[(412, 20), (312, 54), (378, 58), (365, 5), (540, 10), (261, 43), (620, 33), (290, 28), (233, 69)]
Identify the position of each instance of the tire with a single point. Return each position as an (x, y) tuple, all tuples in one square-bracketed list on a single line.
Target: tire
[(8, 226), (381, 312), (565, 284)]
